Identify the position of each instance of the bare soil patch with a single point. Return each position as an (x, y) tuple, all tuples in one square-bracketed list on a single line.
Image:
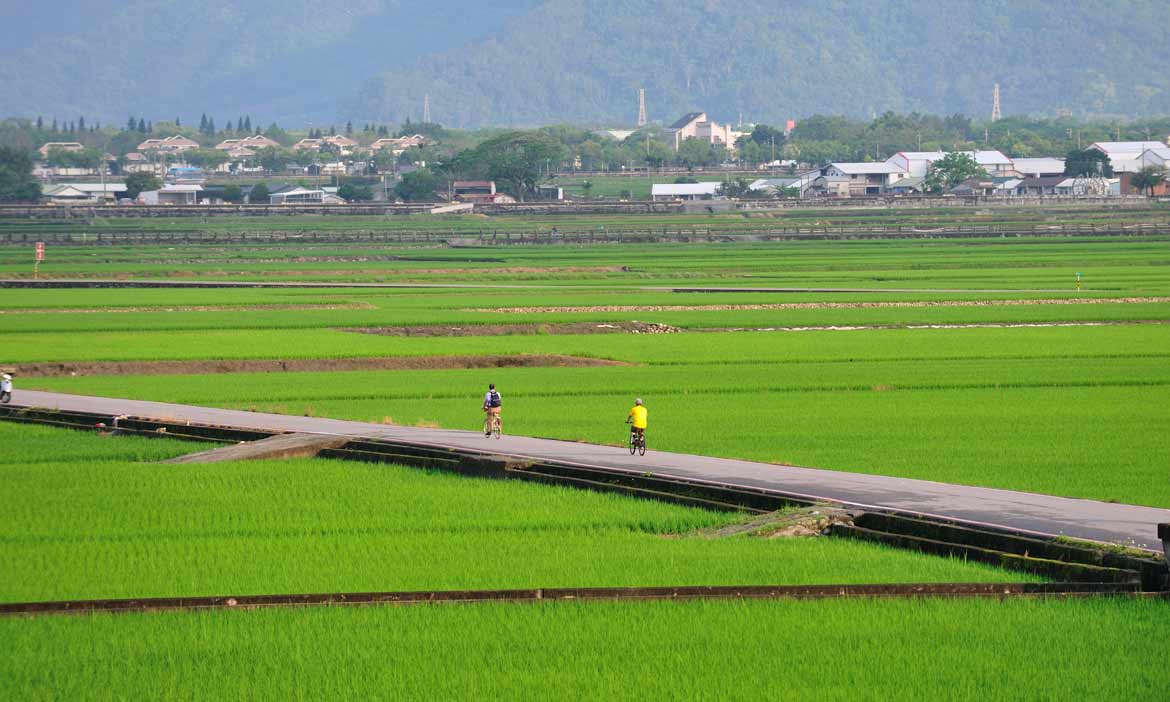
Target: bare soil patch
[(304, 365), (827, 305), (521, 329)]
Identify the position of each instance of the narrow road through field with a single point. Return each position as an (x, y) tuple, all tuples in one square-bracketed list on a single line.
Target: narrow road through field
[(1131, 525)]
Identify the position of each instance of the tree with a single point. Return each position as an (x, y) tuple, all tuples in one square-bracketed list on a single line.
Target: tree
[(259, 194), (1147, 179), (85, 158), (355, 192), (417, 186), (17, 183), (952, 169), (700, 152), (233, 193), (206, 158), (1089, 162), (737, 187), (516, 159), (272, 159), (140, 182)]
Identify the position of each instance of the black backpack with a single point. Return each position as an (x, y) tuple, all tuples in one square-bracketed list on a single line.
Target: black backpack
[(493, 399)]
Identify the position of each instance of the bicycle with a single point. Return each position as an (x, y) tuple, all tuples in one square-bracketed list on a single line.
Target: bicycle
[(492, 426), (637, 442)]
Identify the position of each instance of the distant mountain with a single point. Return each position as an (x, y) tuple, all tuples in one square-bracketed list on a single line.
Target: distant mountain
[(580, 60), (289, 60)]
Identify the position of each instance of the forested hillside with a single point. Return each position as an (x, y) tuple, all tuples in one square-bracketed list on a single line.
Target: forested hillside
[(533, 62)]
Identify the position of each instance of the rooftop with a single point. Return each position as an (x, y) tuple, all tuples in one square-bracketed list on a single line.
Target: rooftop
[(687, 119), (866, 168), (684, 188)]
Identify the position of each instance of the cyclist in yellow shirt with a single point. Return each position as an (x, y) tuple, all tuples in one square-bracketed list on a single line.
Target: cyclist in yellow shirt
[(637, 417)]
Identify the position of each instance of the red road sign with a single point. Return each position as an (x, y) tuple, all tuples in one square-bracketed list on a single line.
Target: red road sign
[(40, 251)]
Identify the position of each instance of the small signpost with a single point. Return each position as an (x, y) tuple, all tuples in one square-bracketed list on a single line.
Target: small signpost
[(1078, 281), (40, 257)]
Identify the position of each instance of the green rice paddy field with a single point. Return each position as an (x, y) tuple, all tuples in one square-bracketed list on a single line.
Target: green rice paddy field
[(973, 361), (90, 516)]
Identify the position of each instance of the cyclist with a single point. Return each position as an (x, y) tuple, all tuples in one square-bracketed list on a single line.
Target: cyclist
[(5, 387), (491, 409), (637, 417)]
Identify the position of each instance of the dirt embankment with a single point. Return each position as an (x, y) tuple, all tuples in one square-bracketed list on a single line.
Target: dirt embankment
[(304, 365), (825, 305), (521, 329)]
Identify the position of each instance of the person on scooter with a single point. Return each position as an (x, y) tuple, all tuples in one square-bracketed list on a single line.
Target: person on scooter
[(6, 387)]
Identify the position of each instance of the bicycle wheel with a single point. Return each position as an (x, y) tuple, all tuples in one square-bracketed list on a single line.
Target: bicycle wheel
[(496, 430), (642, 446), (633, 443)]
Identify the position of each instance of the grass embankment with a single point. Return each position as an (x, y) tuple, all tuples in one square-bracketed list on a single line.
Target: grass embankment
[(84, 522), (888, 650)]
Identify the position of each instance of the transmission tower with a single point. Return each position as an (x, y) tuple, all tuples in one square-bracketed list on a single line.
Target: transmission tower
[(426, 109), (995, 113), (641, 107)]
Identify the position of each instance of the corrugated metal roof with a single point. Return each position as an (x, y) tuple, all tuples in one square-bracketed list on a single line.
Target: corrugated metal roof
[(686, 119), (1046, 164), (921, 155), (1123, 147), (989, 158), (684, 188), (865, 168)]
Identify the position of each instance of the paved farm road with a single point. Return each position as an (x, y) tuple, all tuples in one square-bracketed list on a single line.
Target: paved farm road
[(1044, 514)]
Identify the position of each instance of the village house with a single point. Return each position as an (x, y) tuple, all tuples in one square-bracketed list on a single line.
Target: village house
[(915, 163), (695, 125), (51, 146), (1037, 167), (308, 145), (296, 195), (170, 145), (479, 191), (1129, 157), (254, 142), (858, 179), (83, 193), (684, 191), (399, 144), (344, 144)]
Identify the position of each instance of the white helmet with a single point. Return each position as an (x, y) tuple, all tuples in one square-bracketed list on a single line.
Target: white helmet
[(638, 401), (7, 377)]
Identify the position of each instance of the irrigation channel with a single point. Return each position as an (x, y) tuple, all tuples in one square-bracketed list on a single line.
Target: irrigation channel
[(1043, 534)]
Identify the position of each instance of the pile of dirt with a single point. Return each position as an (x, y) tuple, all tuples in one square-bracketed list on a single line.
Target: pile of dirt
[(788, 523), (521, 329), (305, 365)]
